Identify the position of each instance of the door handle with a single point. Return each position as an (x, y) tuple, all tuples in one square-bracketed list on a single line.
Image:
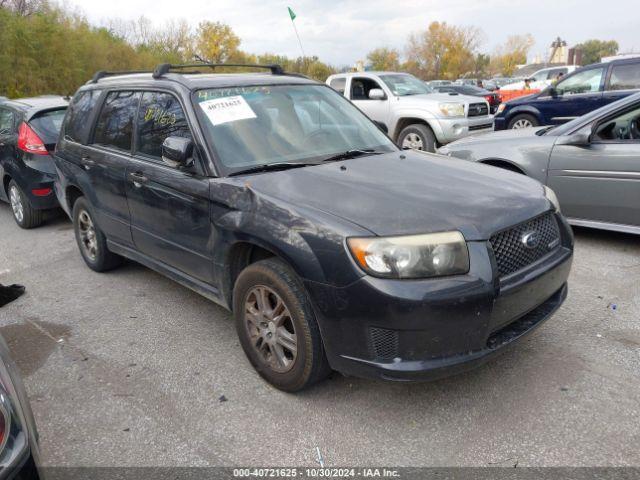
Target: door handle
[(138, 179)]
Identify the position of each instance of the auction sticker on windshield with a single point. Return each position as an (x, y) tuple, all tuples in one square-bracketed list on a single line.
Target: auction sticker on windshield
[(227, 109)]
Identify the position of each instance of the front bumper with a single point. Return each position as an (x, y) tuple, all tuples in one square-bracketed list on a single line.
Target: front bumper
[(452, 129), (499, 123), (428, 329)]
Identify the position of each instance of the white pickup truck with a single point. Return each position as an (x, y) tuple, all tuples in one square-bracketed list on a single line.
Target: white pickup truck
[(414, 116)]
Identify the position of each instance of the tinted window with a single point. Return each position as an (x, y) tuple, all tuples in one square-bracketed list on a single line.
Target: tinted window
[(47, 125), (76, 125), (115, 123), (625, 77), (6, 121), (587, 81), (160, 116), (338, 84)]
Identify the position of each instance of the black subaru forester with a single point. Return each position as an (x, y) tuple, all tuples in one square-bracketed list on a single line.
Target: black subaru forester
[(274, 196)]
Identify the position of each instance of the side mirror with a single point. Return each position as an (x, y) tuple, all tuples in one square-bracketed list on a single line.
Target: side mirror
[(580, 139), (381, 126), (376, 94), (552, 92), (177, 152)]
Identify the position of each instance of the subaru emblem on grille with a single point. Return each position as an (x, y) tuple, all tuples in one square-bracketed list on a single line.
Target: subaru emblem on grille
[(530, 239)]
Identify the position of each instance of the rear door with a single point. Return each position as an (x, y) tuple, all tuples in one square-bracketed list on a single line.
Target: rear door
[(623, 80), (600, 182), (577, 94), (105, 161), (170, 220)]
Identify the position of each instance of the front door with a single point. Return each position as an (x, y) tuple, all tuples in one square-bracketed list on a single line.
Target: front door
[(170, 220), (7, 144), (600, 182), (376, 109)]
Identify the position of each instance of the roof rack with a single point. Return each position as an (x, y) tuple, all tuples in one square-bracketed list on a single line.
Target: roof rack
[(102, 74), (165, 68)]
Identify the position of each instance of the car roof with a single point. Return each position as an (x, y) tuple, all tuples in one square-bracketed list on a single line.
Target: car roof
[(364, 74), (44, 102), (199, 81)]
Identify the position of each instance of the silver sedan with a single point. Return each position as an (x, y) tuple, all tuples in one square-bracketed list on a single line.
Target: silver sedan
[(592, 163)]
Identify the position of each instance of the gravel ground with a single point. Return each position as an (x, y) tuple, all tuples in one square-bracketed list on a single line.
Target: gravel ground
[(129, 368)]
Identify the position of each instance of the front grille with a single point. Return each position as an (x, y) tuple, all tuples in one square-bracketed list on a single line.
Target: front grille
[(383, 343), (515, 248), (480, 127), (478, 110)]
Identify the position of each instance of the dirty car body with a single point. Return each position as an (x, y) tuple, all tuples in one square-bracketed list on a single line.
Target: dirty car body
[(232, 207)]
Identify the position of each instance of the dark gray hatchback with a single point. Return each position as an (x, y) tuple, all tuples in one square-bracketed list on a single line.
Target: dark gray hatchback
[(277, 198)]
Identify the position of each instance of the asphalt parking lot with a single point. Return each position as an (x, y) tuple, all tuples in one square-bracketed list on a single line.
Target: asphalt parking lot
[(129, 368)]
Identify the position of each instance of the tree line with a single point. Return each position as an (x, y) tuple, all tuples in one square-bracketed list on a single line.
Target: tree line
[(46, 48)]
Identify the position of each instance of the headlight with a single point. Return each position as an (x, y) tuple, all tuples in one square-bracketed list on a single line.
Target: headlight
[(501, 108), (412, 256), (451, 109), (551, 196)]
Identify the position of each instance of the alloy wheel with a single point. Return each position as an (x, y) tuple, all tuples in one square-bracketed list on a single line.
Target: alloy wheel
[(522, 123), (413, 141), (87, 235), (271, 329), (16, 203)]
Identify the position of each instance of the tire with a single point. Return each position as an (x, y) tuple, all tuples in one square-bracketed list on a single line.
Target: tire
[(91, 241), (261, 335), (523, 121), (24, 214), (417, 137)]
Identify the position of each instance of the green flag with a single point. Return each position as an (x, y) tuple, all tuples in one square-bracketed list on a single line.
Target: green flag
[(291, 14)]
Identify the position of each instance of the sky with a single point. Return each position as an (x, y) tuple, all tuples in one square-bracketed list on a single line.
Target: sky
[(341, 32)]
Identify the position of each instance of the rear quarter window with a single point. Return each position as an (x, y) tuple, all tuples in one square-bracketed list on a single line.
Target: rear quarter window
[(48, 124), (338, 84), (625, 77), (77, 120)]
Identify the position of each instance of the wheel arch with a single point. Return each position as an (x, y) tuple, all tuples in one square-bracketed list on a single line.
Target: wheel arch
[(404, 122)]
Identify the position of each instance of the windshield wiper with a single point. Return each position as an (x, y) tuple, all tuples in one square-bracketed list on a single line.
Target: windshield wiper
[(351, 154), (267, 167)]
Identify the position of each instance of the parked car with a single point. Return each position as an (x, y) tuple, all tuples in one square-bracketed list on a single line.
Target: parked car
[(467, 81), (581, 92), (29, 129), (275, 197), (495, 83), (592, 163), (414, 115), (492, 98), (542, 78), (438, 83), (19, 451)]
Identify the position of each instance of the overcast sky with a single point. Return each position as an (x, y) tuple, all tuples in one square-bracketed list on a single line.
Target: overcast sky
[(341, 32)]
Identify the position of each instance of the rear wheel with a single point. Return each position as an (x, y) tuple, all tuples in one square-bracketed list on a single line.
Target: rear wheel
[(276, 326), (417, 137), (23, 213), (523, 121), (91, 241)]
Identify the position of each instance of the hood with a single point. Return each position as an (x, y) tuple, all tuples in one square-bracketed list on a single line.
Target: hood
[(498, 135), (438, 98), (421, 193)]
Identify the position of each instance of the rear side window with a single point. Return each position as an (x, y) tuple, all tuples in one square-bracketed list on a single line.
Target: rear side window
[(76, 125), (338, 84), (48, 124), (160, 116), (114, 127), (6, 122), (625, 77)]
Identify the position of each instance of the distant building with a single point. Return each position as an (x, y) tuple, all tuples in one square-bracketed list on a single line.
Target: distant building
[(558, 52)]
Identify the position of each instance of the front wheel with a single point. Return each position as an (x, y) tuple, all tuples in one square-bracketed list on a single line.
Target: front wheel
[(23, 213), (91, 241), (417, 137), (523, 121), (276, 326)]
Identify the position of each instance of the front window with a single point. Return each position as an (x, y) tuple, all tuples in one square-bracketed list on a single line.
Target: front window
[(260, 125), (587, 81), (402, 85)]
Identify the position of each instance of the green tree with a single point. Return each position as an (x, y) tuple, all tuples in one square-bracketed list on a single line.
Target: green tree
[(216, 42), (384, 59), (514, 52), (593, 50)]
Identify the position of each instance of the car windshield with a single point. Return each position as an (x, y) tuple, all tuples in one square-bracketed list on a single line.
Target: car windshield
[(402, 85), (260, 125)]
